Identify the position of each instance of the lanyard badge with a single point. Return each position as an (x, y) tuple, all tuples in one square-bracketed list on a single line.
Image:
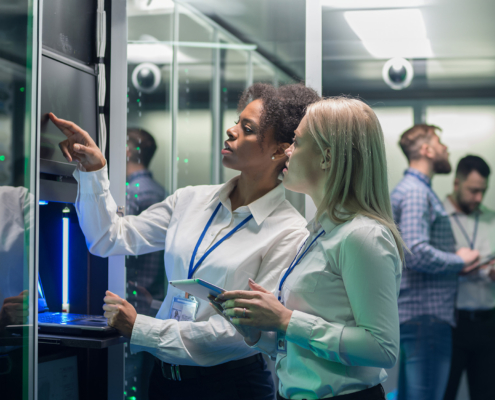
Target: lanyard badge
[(186, 308)]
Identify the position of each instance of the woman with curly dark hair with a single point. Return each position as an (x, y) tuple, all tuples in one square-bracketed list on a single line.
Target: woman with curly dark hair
[(223, 234)]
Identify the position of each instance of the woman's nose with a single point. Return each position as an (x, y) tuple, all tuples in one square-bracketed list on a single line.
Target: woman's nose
[(231, 133), (288, 151)]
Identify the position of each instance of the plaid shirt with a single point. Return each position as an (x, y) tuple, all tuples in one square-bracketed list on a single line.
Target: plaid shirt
[(429, 279), (147, 270)]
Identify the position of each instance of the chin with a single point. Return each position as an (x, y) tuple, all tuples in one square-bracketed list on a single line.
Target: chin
[(229, 165)]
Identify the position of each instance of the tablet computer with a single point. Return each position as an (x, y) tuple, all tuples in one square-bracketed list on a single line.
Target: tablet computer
[(486, 260), (198, 288)]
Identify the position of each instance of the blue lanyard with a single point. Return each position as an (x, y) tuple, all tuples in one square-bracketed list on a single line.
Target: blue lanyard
[(424, 181), (192, 267), (473, 241), (295, 262)]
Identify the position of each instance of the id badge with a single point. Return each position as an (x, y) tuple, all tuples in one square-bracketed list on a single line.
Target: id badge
[(184, 309), (281, 343)]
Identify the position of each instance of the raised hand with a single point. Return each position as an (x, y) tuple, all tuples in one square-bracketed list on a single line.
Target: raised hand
[(78, 145), (14, 310)]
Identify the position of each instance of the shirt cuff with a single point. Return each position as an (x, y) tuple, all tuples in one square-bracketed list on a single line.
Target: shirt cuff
[(95, 182), (267, 343), (300, 328), (144, 332)]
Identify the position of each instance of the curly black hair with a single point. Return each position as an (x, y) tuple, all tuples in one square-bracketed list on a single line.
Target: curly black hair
[(283, 108)]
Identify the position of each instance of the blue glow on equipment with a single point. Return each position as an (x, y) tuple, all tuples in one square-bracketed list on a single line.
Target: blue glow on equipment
[(43, 203), (65, 266)]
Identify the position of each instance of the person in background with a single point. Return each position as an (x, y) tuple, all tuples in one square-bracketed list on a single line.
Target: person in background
[(145, 274), (335, 325), (429, 281), (473, 338)]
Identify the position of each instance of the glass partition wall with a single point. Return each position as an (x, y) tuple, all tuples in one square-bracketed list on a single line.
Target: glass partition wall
[(18, 295), (185, 76)]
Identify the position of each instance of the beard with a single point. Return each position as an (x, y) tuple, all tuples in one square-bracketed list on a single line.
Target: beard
[(442, 166), (467, 208)]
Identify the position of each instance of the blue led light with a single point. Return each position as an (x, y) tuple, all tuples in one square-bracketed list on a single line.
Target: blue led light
[(43, 202), (65, 265)]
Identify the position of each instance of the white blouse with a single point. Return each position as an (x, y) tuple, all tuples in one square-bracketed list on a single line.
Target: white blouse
[(259, 250), (344, 329)]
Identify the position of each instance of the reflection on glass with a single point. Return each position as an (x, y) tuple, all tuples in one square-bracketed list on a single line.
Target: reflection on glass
[(16, 201)]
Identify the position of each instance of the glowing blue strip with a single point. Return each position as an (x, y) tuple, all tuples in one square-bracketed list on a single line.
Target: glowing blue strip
[(43, 203), (65, 262)]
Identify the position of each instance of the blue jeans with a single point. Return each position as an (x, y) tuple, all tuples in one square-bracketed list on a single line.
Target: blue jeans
[(425, 354)]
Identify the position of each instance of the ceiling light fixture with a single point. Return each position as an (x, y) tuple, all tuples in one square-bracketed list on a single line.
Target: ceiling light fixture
[(370, 4), (391, 33)]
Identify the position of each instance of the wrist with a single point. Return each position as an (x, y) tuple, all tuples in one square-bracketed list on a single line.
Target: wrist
[(285, 320), (95, 167)]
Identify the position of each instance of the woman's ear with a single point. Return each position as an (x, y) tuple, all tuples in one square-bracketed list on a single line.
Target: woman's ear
[(325, 160), (280, 152)]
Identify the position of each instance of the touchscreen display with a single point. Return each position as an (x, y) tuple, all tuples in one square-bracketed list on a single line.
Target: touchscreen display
[(70, 94)]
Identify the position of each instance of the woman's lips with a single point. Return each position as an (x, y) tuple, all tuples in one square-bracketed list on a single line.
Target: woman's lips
[(226, 151)]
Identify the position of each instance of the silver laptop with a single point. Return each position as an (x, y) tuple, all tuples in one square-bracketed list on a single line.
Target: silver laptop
[(68, 323)]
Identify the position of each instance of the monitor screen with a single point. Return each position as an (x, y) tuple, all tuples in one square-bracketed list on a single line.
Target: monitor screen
[(71, 94)]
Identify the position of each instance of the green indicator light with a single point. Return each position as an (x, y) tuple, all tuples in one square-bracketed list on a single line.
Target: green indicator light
[(138, 148), (135, 294), (138, 100), (125, 393), (2, 158), (224, 90), (22, 89), (186, 160), (137, 184), (186, 70), (126, 193), (127, 183), (136, 196), (132, 398), (127, 96), (134, 388)]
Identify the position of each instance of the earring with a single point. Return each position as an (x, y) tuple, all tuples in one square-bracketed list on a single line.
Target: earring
[(273, 157)]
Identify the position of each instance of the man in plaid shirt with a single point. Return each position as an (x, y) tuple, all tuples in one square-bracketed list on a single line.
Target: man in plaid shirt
[(429, 279)]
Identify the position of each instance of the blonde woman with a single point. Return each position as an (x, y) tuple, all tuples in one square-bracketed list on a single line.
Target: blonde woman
[(333, 323)]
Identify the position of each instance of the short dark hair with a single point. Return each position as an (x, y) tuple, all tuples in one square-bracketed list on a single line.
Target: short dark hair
[(472, 163), (412, 139), (141, 145), (283, 107)]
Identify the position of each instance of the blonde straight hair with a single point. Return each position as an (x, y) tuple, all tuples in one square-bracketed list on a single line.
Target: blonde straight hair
[(357, 178)]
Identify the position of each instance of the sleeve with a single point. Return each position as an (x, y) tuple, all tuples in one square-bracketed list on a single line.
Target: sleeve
[(415, 229), (109, 234), (267, 344), (370, 270), (214, 341)]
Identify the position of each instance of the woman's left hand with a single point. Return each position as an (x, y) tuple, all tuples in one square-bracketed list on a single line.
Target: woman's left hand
[(258, 308)]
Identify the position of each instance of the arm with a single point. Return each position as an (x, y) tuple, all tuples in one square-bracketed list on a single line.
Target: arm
[(415, 229), (109, 234), (214, 341), (369, 264)]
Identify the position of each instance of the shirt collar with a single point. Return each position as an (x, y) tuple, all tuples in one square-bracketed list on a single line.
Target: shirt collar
[(325, 222), (138, 174), (415, 172), (260, 209)]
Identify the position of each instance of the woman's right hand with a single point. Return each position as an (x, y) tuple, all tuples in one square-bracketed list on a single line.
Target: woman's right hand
[(79, 145), (251, 335)]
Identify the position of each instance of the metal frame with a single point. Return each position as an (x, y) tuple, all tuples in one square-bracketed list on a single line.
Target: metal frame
[(117, 161), (313, 59)]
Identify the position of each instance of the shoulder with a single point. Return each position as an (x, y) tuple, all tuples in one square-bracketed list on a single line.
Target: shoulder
[(287, 213), (366, 234)]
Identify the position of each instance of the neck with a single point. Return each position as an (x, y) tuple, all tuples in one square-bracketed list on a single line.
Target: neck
[(132, 167), (250, 187), (424, 166), (454, 202)]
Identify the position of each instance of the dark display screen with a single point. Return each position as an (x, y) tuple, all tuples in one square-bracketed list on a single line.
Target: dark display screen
[(71, 95), (69, 28)]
